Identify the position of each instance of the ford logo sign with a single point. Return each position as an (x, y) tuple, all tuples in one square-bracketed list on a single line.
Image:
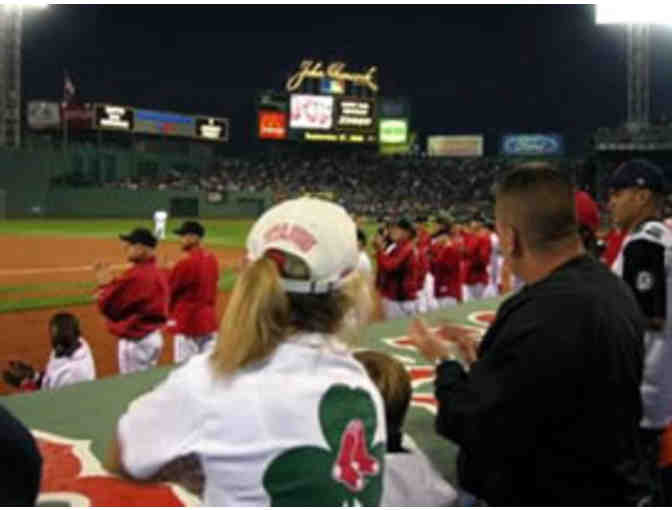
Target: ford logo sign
[(532, 144)]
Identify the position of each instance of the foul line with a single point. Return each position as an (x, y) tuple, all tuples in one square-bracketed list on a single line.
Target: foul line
[(47, 270)]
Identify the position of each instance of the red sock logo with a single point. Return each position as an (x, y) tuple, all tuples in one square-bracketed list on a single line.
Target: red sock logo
[(353, 461)]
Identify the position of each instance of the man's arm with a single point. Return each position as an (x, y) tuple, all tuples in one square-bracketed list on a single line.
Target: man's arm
[(391, 262), (644, 272), (113, 297)]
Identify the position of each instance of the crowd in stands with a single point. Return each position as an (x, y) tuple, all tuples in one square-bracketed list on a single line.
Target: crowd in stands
[(366, 184)]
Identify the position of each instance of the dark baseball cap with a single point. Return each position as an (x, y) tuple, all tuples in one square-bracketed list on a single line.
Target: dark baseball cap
[(405, 224), (140, 236), (190, 227), (638, 173)]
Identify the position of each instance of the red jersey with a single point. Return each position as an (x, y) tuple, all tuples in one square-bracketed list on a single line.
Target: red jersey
[(477, 252), (446, 260), (614, 240), (423, 244), (136, 303), (399, 272), (193, 293)]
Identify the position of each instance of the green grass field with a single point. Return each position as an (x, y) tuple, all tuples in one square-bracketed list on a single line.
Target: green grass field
[(224, 233)]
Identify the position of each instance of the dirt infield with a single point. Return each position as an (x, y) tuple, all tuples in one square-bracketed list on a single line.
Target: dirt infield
[(63, 267)]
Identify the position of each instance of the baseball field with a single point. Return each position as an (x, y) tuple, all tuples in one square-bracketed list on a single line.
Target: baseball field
[(45, 267)]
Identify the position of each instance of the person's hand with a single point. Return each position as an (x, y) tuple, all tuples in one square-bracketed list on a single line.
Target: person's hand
[(428, 343), (468, 347), (18, 372), (103, 272)]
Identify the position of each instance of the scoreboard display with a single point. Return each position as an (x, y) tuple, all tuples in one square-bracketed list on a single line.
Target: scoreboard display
[(325, 118), (151, 122)]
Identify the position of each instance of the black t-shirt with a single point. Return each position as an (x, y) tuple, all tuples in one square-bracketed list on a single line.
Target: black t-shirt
[(20, 463), (549, 413)]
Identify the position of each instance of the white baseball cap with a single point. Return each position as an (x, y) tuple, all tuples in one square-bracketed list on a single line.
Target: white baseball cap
[(318, 232)]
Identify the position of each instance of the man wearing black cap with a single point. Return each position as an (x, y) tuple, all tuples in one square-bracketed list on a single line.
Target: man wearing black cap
[(135, 304), (398, 267), (193, 295), (645, 263)]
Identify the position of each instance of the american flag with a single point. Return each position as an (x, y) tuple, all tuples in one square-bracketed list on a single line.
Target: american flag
[(68, 90)]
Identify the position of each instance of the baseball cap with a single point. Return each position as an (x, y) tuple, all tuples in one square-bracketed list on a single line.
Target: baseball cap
[(318, 232), (190, 227), (405, 224), (638, 173), (587, 212), (140, 236)]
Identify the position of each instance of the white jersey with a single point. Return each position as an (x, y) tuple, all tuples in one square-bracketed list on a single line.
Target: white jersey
[(411, 480), (160, 217), (65, 370), (305, 427), (645, 263), (364, 265)]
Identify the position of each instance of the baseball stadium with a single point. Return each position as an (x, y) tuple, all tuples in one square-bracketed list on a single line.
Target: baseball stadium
[(323, 297)]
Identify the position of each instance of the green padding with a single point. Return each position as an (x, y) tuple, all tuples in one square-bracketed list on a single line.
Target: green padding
[(90, 410)]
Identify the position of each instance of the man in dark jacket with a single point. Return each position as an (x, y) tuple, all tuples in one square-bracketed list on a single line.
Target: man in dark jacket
[(548, 412)]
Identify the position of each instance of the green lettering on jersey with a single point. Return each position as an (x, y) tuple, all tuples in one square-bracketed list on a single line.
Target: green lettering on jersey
[(349, 473)]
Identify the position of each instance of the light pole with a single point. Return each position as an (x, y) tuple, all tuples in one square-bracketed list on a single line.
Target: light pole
[(638, 17), (11, 16)]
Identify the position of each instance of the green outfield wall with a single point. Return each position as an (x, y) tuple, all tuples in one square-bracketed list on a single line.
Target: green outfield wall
[(26, 177), (120, 203)]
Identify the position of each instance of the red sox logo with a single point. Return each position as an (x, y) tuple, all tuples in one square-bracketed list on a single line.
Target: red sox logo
[(353, 462)]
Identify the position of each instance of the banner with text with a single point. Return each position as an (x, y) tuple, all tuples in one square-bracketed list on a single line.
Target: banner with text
[(552, 144), (459, 146), (311, 112), (393, 131), (43, 115)]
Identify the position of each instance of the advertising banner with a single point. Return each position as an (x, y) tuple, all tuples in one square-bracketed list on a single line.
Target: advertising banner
[(354, 114), (78, 116), (311, 112), (161, 123), (393, 130), (532, 145), (272, 125), (459, 146), (43, 115), (116, 118), (212, 129)]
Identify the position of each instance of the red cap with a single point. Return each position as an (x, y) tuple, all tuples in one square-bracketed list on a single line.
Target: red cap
[(586, 210)]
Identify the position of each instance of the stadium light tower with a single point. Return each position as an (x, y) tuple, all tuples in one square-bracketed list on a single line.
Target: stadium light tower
[(11, 16), (638, 17)]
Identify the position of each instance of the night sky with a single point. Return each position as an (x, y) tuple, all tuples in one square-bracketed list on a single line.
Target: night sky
[(474, 68)]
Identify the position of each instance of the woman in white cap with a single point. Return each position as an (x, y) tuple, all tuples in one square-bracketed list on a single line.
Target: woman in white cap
[(279, 413)]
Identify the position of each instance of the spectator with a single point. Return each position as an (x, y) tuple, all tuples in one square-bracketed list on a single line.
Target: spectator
[(557, 373), (279, 413), (70, 360), (410, 478)]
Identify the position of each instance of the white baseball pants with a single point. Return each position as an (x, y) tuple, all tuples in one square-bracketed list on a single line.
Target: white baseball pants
[(138, 355), (397, 309), (473, 292), (184, 347)]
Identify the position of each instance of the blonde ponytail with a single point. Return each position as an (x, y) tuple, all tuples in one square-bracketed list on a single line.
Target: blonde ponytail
[(256, 321)]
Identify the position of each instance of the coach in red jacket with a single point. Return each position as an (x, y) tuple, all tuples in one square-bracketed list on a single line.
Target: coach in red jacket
[(398, 266), (193, 295), (135, 304)]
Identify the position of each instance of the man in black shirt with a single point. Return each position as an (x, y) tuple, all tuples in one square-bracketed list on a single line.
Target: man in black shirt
[(549, 409), (20, 462)]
